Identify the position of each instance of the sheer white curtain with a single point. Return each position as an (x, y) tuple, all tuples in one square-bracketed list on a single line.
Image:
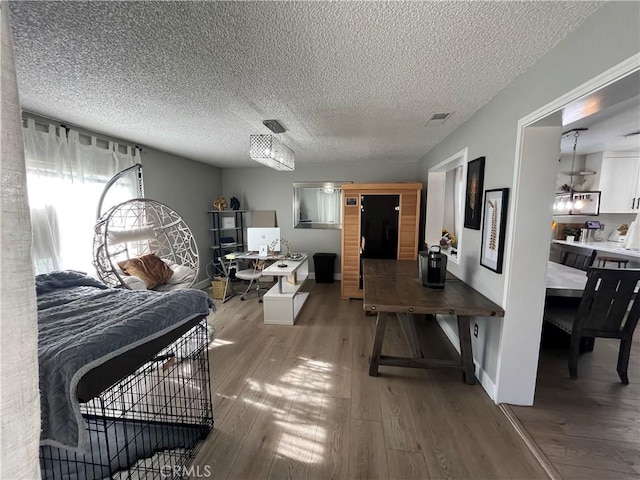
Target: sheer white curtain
[(66, 174), (328, 205), (458, 200), (19, 396)]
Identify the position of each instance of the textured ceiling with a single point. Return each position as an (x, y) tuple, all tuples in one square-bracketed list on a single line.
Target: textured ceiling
[(350, 81)]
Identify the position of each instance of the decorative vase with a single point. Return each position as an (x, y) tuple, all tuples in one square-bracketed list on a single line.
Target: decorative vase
[(220, 203)]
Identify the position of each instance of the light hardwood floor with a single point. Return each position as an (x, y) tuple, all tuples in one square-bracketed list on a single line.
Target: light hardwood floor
[(588, 428), (296, 402)]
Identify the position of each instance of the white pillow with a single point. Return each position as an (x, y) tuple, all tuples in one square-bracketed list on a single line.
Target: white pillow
[(181, 274), (134, 283)]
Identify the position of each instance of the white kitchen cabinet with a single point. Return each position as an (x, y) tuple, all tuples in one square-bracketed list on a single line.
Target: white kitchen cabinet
[(618, 178)]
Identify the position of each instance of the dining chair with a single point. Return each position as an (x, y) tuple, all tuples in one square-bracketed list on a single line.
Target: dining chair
[(252, 274), (577, 257), (607, 310)]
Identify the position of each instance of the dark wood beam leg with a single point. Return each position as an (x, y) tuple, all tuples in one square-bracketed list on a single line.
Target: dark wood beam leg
[(381, 324), (408, 324), (466, 352)]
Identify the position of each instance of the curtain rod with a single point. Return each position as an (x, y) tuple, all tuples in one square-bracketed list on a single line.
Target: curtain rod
[(67, 126)]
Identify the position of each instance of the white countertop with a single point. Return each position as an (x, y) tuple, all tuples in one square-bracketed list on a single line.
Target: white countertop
[(610, 247)]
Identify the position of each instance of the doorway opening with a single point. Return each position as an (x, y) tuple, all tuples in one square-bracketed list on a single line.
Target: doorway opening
[(530, 222)]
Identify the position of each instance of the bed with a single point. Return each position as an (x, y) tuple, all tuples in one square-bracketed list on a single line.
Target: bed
[(124, 378)]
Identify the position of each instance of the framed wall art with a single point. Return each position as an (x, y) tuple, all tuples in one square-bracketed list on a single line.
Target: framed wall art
[(473, 198), (494, 224)]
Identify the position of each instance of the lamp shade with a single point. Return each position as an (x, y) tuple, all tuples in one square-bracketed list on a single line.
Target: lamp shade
[(270, 151)]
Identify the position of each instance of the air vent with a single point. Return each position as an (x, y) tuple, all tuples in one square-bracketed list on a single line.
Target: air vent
[(438, 118), (273, 125), (631, 134)]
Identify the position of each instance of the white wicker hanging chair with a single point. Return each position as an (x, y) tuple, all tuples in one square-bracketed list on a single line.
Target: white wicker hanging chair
[(142, 226)]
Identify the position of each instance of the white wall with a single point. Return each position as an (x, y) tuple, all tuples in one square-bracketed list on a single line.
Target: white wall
[(189, 188), (605, 39), (262, 188)]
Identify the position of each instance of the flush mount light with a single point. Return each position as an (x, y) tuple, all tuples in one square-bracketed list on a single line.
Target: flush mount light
[(438, 118), (269, 150)]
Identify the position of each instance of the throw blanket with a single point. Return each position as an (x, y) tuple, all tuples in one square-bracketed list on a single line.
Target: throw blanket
[(82, 324)]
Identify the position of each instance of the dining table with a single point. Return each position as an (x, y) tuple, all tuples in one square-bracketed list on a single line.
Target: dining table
[(392, 288), (564, 281)]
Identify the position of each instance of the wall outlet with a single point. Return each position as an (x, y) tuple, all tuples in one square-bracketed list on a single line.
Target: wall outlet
[(475, 330)]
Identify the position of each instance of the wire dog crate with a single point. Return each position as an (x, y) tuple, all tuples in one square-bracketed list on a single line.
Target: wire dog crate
[(149, 424)]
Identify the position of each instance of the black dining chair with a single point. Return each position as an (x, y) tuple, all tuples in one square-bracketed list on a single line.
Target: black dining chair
[(607, 310), (577, 257)]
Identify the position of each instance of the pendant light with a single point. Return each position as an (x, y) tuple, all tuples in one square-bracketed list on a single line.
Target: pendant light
[(574, 202), (570, 205)]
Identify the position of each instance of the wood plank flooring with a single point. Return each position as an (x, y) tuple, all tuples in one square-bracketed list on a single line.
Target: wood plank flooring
[(588, 428), (296, 402)]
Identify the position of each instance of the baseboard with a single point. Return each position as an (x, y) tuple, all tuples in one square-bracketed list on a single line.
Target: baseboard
[(336, 276), (202, 285), (533, 447), (481, 375)]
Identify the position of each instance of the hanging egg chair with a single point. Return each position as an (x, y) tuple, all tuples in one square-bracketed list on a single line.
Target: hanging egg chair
[(142, 243)]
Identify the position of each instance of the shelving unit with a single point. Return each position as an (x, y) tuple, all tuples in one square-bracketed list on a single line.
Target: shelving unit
[(226, 223), (283, 302)]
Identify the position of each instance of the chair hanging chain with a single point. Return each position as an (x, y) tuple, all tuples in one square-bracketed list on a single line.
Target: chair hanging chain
[(573, 159)]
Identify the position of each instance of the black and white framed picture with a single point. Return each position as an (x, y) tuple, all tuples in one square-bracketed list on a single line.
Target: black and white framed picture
[(494, 224), (473, 198)]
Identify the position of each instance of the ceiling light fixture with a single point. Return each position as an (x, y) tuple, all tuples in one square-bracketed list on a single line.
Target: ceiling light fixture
[(269, 150), (573, 202)]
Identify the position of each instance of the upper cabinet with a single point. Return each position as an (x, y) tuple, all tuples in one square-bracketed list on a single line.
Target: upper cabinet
[(618, 178)]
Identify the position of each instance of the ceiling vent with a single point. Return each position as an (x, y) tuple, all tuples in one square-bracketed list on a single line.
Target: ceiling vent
[(438, 119), (632, 134)]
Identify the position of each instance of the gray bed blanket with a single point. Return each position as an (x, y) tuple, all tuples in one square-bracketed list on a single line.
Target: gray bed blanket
[(82, 324)]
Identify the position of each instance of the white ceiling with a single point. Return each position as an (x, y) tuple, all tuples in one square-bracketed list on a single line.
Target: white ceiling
[(350, 81), (609, 115)]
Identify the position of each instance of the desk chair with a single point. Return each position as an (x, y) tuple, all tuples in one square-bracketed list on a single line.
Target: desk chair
[(577, 257), (607, 310), (228, 266), (253, 275)]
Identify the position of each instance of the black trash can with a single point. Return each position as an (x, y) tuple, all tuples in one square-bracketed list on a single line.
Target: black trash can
[(323, 263)]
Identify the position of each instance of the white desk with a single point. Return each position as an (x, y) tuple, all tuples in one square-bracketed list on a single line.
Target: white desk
[(283, 302), (231, 260)]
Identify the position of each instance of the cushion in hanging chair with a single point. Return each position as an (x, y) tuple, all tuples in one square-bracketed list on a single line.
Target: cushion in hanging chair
[(150, 268)]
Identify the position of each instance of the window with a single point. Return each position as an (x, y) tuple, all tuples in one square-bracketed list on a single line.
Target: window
[(66, 174), (445, 205)]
